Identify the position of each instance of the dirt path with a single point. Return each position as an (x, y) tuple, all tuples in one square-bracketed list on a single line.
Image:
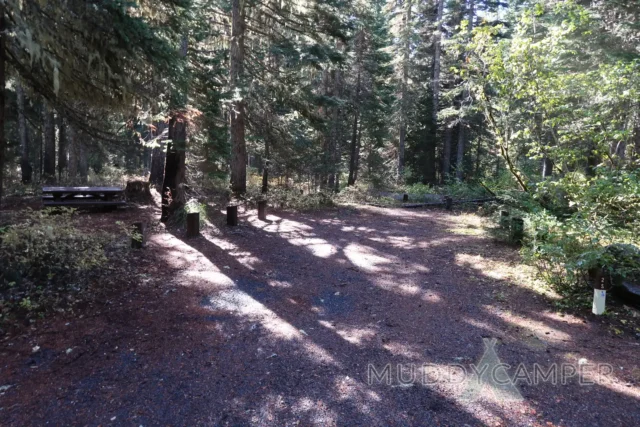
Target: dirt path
[(279, 323)]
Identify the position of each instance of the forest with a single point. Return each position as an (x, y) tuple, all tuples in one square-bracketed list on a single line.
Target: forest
[(533, 101), (366, 115)]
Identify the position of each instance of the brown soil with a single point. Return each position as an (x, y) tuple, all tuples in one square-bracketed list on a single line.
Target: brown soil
[(276, 323)]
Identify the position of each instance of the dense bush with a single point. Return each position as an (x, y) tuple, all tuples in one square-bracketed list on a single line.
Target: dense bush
[(572, 222), (42, 254), (292, 198)]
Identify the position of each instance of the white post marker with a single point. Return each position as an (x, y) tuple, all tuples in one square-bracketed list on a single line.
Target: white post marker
[(599, 297)]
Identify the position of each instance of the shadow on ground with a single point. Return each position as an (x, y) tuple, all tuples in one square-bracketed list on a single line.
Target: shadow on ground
[(280, 323)]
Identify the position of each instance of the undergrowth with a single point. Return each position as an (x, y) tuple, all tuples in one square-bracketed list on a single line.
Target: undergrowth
[(45, 261)]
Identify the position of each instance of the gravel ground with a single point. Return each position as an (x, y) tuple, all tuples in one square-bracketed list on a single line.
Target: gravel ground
[(280, 323)]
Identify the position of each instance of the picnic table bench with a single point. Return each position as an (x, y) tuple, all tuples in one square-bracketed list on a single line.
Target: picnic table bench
[(83, 196)]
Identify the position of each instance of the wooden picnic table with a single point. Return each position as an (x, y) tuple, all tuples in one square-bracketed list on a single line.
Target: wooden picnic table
[(83, 196)]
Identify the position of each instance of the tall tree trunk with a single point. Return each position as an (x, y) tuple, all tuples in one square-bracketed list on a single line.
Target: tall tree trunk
[(430, 157), (237, 113), (62, 147), (158, 157), (358, 148), (265, 168), (404, 90), (83, 161), (462, 132), (592, 160), (41, 144), (173, 195), (446, 155), (436, 63), (72, 146), (326, 147), (336, 133), (636, 132), (146, 159), (25, 165), (547, 167), (477, 168), (460, 152), (3, 82), (49, 137), (353, 162)]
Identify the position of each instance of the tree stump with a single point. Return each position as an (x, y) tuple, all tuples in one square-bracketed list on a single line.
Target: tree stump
[(448, 203), (193, 224), (517, 230), (232, 215), (137, 237), (405, 198), (262, 210), (138, 192)]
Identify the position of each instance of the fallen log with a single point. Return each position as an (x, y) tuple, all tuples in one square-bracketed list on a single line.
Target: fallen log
[(453, 202)]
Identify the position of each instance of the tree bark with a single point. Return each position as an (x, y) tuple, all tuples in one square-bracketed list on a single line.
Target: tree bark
[(592, 160), (41, 149), (353, 162), (477, 168), (336, 132), (72, 146), (326, 148), (158, 157), (460, 152), (62, 147), (265, 169), (436, 63), (446, 155), (3, 82), (83, 161), (404, 90), (462, 131), (173, 195), (358, 148), (237, 113), (25, 165), (49, 137), (430, 157), (547, 167)]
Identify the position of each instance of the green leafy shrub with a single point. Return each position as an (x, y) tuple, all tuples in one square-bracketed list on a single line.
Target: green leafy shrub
[(42, 254), (573, 223), (464, 191), (292, 198), (418, 190), (361, 194)]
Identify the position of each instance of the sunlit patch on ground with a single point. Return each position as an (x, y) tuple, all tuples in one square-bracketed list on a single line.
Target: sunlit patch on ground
[(468, 231), (356, 336), (348, 389), (367, 258), (247, 308), (274, 323)]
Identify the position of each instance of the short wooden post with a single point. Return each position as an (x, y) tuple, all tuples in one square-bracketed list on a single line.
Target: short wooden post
[(193, 224), (517, 230), (262, 210), (504, 219), (137, 237), (448, 203), (232, 215), (405, 198)]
